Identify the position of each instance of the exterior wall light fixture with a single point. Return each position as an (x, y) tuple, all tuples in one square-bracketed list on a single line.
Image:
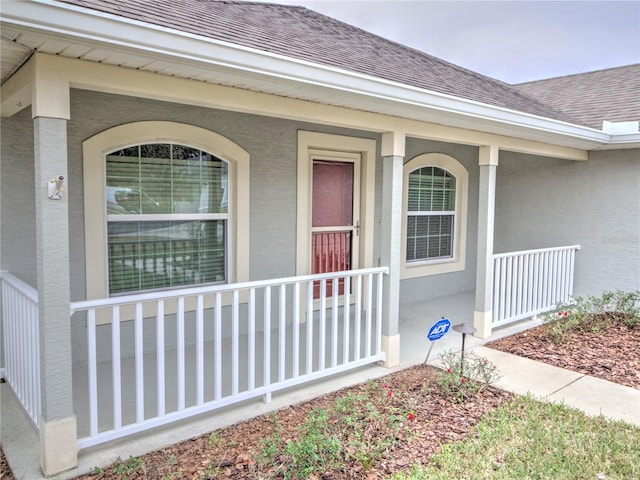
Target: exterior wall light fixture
[(56, 187)]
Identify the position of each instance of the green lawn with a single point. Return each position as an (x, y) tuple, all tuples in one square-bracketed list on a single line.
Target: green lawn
[(527, 439)]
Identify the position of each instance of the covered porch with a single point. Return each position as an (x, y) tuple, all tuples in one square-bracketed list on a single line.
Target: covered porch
[(21, 440), (166, 359)]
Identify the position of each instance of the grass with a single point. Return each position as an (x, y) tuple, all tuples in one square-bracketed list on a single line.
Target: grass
[(355, 426), (528, 439)]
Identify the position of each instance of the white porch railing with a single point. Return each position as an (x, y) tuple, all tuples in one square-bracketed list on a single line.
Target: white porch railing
[(21, 342), (531, 282), (249, 340)]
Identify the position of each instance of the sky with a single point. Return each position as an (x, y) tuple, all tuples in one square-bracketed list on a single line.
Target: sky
[(514, 41)]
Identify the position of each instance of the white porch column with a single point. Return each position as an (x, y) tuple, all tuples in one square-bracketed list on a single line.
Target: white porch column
[(482, 316), (57, 423), (392, 157)]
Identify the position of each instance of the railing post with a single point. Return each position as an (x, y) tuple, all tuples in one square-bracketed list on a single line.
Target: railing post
[(483, 314), (57, 421), (393, 151)]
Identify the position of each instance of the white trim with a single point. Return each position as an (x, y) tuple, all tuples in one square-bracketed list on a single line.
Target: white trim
[(137, 83), (94, 151), (262, 70), (441, 265)]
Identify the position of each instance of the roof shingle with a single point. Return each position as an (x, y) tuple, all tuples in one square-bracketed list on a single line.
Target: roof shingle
[(612, 94), (300, 33)]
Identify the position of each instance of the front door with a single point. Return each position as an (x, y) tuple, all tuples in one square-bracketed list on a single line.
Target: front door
[(335, 218)]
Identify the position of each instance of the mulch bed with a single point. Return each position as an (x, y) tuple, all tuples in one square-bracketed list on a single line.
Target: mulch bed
[(613, 353), (436, 420), (5, 472)]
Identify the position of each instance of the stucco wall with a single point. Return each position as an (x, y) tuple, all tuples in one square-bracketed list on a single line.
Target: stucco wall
[(417, 289), (17, 207), (271, 143), (544, 202)]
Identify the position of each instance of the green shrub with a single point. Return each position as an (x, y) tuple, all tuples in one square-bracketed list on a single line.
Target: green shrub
[(593, 314), (461, 379)]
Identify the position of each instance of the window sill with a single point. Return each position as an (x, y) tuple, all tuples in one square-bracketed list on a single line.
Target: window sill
[(436, 267)]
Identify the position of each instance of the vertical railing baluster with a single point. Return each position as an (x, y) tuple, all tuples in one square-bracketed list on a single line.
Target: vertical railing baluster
[(510, 284), (572, 258), (217, 347), (199, 350), (180, 354), (538, 279), (296, 330), (235, 344), (346, 318), (526, 286), (92, 372), (369, 293), (160, 370), (323, 324), (358, 319), (282, 331), (23, 356), (519, 284), (495, 307), (309, 327), (379, 314), (503, 288), (252, 339), (116, 370), (267, 343), (35, 355), (139, 368), (564, 272), (334, 320)]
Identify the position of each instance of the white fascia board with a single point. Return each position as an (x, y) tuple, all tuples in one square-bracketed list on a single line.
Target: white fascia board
[(78, 23), (622, 141)]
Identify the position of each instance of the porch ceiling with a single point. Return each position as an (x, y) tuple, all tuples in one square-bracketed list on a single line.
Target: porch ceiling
[(188, 56)]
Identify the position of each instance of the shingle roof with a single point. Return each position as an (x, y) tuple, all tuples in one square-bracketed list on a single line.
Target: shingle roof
[(303, 34), (612, 94)]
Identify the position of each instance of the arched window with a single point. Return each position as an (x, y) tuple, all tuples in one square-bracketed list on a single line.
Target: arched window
[(166, 206), (431, 212), (434, 221), (167, 217)]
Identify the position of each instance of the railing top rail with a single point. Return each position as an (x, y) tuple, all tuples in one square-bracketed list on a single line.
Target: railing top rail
[(211, 289), (24, 288), (539, 250)]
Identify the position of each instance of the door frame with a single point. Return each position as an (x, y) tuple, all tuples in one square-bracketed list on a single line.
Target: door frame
[(334, 147)]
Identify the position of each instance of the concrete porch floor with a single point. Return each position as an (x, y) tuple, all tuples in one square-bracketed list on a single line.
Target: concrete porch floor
[(20, 441)]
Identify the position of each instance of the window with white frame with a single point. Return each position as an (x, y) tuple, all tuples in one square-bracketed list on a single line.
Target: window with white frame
[(166, 217), (435, 215), (166, 205), (431, 211)]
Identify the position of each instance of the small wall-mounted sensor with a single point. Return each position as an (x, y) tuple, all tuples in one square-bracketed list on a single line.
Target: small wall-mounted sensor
[(56, 187)]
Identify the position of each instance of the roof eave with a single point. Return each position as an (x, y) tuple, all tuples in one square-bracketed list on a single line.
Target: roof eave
[(321, 83)]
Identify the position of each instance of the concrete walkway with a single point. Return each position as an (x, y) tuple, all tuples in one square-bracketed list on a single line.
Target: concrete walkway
[(519, 375), (592, 396)]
